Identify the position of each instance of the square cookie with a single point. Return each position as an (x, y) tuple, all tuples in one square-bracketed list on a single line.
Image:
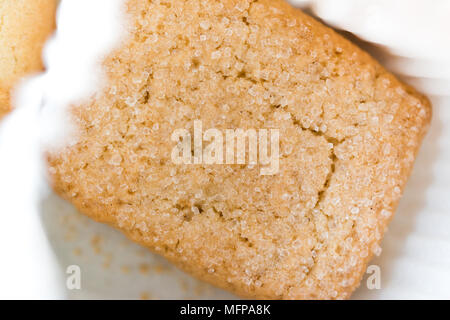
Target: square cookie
[(348, 132)]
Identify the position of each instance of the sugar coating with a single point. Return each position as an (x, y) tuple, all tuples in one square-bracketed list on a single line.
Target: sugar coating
[(24, 27), (349, 132)]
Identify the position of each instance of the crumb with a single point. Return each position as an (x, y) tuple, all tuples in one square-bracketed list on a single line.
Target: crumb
[(145, 296), (144, 268), (125, 269), (77, 252), (96, 244)]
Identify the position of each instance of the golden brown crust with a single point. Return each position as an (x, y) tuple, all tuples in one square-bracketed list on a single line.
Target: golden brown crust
[(349, 132), (24, 27)]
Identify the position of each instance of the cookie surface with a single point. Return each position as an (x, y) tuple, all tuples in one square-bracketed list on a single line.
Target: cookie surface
[(349, 132), (24, 27)]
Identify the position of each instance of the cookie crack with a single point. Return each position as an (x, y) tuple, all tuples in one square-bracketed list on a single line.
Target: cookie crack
[(321, 193)]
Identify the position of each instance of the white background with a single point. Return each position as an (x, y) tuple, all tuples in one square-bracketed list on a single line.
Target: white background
[(413, 40)]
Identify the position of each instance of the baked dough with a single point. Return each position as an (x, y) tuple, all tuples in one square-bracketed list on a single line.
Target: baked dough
[(24, 27), (349, 133)]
